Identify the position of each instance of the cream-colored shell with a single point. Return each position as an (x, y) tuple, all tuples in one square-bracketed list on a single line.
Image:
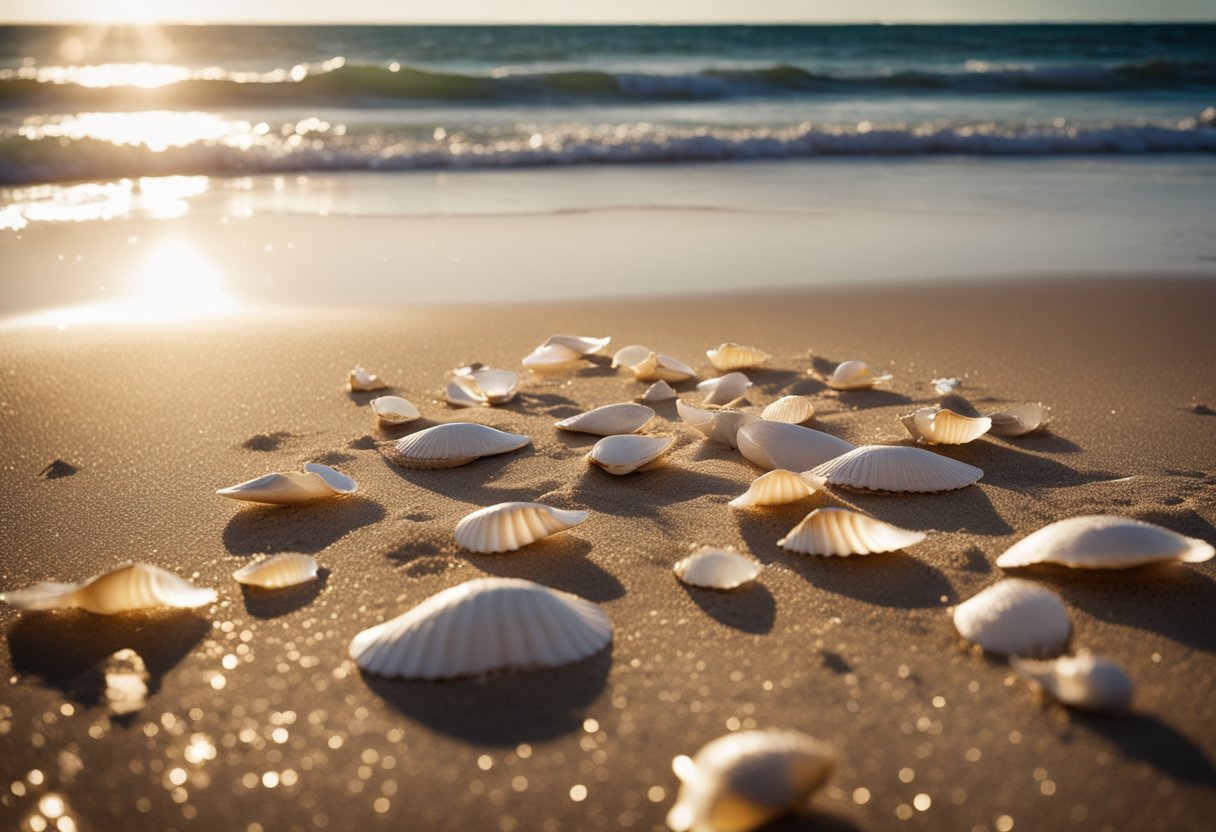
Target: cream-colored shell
[(394, 410), (133, 586), (1104, 542), (776, 488), (895, 469), (648, 365), (1020, 419), (715, 568), (1015, 618), (719, 425), (724, 390), (609, 420), (279, 571), (1093, 683), (854, 375), (484, 625), (360, 380), (939, 426), (793, 410), (552, 358), (630, 355), (840, 532), (774, 445), (452, 445), (315, 482), (126, 680), (481, 387), (627, 453), (730, 356), (946, 386), (660, 391), (582, 344), (510, 526)]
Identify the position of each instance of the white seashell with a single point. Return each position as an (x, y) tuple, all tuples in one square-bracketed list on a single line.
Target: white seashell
[(482, 386), (776, 488), (715, 568), (719, 425), (278, 572), (793, 410), (660, 391), (946, 386), (133, 586), (609, 420), (854, 375), (452, 445), (551, 358), (126, 681), (483, 625), (1104, 542), (896, 469), (394, 410), (938, 426), (838, 531), (1094, 683), (361, 381), (582, 344), (1020, 419), (743, 780), (659, 367), (628, 453), (630, 355), (730, 356), (774, 445), (315, 482), (1015, 618), (725, 389), (510, 526)]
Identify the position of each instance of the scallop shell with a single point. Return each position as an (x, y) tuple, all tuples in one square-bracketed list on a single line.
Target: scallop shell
[(1103, 542), (776, 488), (484, 625), (628, 453), (774, 445), (838, 531), (1093, 683), (719, 425), (1015, 618), (715, 568), (938, 426), (793, 410), (361, 381), (743, 780), (394, 410), (854, 375), (278, 572), (946, 386), (1020, 419), (896, 469), (481, 386), (582, 344), (452, 445), (725, 389), (510, 526), (660, 391), (315, 482), (133, 586), (609, 420), (730, 356), (551, 358)]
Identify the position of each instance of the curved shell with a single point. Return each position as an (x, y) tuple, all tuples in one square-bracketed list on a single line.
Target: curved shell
[(1104, 542), (743, 780), (659, 367), (895, 469), (838, 531), (630, 355), (730, 356), (1093, 683), (481, 386), (627, 453), (452, 445), (551, 358), (660, 391), (938, 426), (394, 410), (776, 488), (715, 568), (582, 344), (774, 445), (854, 375), (793, 410), (510, 526), (719, 425), (133, 586), (315, 482), (946, 386), (1020, 419), (609, 420), (278, 572), (1015, 618), (483, 625), (724, 390), (361, 381)]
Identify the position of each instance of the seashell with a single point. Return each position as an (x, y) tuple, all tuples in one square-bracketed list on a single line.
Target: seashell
[(126, 681), (315, 482), (133, 586), (510, 526), (361, 381), (582, 344), (793, 410), (715, 568), (894, 468), (938, 426), (1015, 618), (660, 391), (481, 386), (1020, 419), (394, 410), (1104, 542), (730, 356), (946, 386), (627, 453), (725, 389), (483, 625), (774, 445), (743, 780), (1093, 683), (648, 365), (776, 488), (854, 375), (278, 572), (630, 355), (452, 445), (609, 420), (838, 531), (552, 358), (719, 425)]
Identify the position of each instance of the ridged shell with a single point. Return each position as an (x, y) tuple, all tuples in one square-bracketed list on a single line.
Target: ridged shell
[(743, 780), (394, 410), (938, 426), (724, 390), (1015, 618), (774, 445), (609, 420), (715, 568), (552, 358), (946, 386), (133, 586), (1104, 542), (660, 391), (315, 482), (730, 356), (484, 625), (361, 381), (278, 572), (481, 386), (452, 445), (1093, 683), (628, 453), (776, 488), (719, 425), (582, 344), (793, 410), (510, 526), (896, 469), (1020, 419), (854, 375), (838, 531)]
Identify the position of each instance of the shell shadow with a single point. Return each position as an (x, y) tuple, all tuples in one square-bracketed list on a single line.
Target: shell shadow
[(308, 529), (559, 562), (1007, 466), (58, 469), (1147, 738), (266, 442), (749, 608), (639, 494), (812, 821), (391, 432), (473, 483), (541, 403), (774, 381), (271, 603), (872, 397), (1044, 442), (966, 510)]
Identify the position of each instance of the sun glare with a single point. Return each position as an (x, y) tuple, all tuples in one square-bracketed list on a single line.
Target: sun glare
[(128, 12)]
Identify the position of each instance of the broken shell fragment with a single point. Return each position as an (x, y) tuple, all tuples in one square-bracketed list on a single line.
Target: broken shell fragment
[(133, 586), (715, 568), (895, 469), (361, 381), (725, 389), (1104, 542), (854, 375), (609, 420), (1020, 419), (946, 386), (776, 488), (840, 532), (719, 425), (510, 526), (552, 358), (627, 453), (481, 387), (793, 410), (1015, 618), (660, 391), (582, 344), (775, 445), (648, 365), (278, 572), (315, 482), (939, 426), (1086, 681), (452, 445), (730, 356), (126, 682), (394, 410)]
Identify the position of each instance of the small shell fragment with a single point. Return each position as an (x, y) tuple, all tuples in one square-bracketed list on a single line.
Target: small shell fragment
[(451, 445), (1086, 681), (715, 568), (133, 586), (719, 425), (361, 381), (895, 469), (1020, 419), (946, 386), (939, 426), (481, 387), (776, 488), (394, 410), (1104, 542), (730, 356), (279, 571), (625, 454), (793, 410), (839, 532), (1015, 618), (126, 682), (609, 420), (775, 445), (315, 482), (507, 527), (660, 391), (854, 375), (724, 390)]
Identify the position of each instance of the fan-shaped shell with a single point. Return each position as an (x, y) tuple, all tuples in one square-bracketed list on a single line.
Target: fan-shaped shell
[(854, 375), (510, 526), (394, 410), (724, 390), (719, 425), (133, 586), (1020, 419), (715, 568), (730, 356), (627, 453), (838, 531), (946, 386), (774, 445), (776, 488), (938, 426), (551, 358), (279, 571), (1093, 683), (743, 780), (1104, 542), (452, 445), (896, 469), (793, 410), (315, 482), (582, 344), (1015, 618), (484, 625), (361, 381), (660, 391), (475, 387), (610, 419)]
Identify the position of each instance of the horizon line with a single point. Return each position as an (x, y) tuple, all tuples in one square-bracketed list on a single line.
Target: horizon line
[(521, 23)]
